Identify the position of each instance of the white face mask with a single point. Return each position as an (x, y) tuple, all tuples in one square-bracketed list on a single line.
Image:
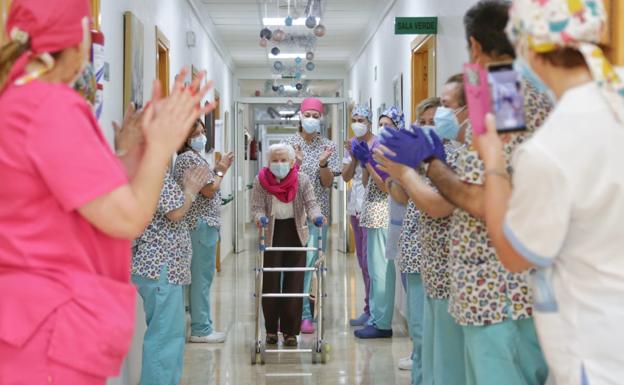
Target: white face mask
[(311, 125), (359, 129), (198, 143), (280, 169)]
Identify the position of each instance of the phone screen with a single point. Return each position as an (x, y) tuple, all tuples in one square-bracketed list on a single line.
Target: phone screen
[(507, 98)]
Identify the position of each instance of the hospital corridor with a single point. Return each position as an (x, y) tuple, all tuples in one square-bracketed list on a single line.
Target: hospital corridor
[(311, 192)]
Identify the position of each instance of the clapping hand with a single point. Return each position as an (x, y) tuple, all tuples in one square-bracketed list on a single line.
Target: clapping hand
[(298, 155), (412, 148), (195, 179), (128, 135), (225, 163), (361, 152), (325, 155)]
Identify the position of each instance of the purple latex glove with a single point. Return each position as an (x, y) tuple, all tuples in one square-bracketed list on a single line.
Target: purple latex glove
[(413, 148), (361, 152), (381, 174)]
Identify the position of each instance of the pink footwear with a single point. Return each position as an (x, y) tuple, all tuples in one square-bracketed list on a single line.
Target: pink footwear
[(307, 327)]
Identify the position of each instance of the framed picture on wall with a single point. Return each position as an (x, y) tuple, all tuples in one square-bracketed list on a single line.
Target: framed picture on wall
[(209, 121), (397, 86), (133, 60)]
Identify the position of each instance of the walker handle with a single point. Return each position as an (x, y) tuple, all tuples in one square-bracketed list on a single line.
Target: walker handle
[(318, 222), (264, 221)]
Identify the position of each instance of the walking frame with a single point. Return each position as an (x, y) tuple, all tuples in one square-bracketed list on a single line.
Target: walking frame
[(320, 349)]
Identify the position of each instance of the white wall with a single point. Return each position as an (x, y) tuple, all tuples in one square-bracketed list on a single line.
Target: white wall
[(174, 18), (392, 53)]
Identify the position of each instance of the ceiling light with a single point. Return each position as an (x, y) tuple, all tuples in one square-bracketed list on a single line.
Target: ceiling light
[(280, 21), (286, 55), (287, 112)]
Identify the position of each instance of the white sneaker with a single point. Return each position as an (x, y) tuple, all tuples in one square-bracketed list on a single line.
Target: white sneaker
[(405, 363), (214, 338)]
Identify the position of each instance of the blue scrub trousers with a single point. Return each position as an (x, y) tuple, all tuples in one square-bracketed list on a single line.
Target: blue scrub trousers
[(504, 353), (415, 304), (203, 267), (383, 277), (443, 346), (311, 257), (163, 343)]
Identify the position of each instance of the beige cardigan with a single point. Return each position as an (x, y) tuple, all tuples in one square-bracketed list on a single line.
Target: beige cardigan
[(304, 203)]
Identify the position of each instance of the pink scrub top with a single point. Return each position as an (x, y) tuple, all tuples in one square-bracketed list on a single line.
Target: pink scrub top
[(53, 160)]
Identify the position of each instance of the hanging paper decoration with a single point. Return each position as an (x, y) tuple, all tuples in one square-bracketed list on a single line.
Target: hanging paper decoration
[(278, 65), (282, 88), (275, 88), (275, 51), (320, 30), (288, 21), (297, 75), (299, 86), (298, 60), (263, 42), (310, 22), (310, 56), (266, 34), (279, 35), (310, 66)]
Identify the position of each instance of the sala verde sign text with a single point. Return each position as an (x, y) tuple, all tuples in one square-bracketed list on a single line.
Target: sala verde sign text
[(415, 25)]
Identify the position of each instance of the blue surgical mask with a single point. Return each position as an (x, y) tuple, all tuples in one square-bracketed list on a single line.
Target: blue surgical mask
[(280, 169), (522, 67), (446, 124), (198, 143), (311, 125)]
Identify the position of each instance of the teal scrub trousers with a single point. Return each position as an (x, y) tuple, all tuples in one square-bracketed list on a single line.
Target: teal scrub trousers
[(311, 257), (163, 343), (382, 276), (203, 267), (415, 304), (504, 353), (443, 346)]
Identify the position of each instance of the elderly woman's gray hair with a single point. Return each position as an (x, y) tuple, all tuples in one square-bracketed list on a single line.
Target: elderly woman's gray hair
[(281, 147)]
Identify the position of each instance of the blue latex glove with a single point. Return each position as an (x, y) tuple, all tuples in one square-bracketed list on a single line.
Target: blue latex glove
[(375, 166), (413, 148), (361, 152)]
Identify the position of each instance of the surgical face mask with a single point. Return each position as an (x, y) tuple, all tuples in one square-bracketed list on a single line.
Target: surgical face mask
[(446, 124), (198, 143), (359, 129), (311, 125), (522, 67), (279, 169)]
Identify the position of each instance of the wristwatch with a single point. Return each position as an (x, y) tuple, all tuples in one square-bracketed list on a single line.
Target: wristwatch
[(219, 173)]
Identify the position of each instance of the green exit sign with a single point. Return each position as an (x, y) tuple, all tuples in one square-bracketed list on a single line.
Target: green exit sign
[(415, 25)]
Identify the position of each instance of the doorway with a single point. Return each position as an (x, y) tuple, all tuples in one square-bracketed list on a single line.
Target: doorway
[(423, 70), (162, 60)]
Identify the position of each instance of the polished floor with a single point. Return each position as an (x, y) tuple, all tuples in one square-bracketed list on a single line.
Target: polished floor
[(351, 361)]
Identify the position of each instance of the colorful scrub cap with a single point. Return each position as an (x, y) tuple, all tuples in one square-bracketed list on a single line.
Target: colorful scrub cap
[(396, 115), (312, 104), (545, 25), (362, 110)]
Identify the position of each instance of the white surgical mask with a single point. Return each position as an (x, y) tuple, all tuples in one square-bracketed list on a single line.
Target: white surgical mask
[(279, 169), (311, 125), (198, 143), (359, 129)]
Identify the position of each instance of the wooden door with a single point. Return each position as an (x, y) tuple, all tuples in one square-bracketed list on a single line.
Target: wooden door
[(423, 70), (162, 60)]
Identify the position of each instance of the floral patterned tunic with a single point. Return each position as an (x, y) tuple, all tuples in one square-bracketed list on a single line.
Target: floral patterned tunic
[(483, 292), (207, 209), (410, 241), (165, 241), (375, 212), (310, 165), (434, 234)]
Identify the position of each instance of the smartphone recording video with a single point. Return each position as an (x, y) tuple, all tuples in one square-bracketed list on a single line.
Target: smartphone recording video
[(507, 99)]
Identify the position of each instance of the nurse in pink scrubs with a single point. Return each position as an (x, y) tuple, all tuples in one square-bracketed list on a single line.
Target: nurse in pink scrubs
[(67, 207)]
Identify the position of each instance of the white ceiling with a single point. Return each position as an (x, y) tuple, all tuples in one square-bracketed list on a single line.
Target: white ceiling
[(238, 24)]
